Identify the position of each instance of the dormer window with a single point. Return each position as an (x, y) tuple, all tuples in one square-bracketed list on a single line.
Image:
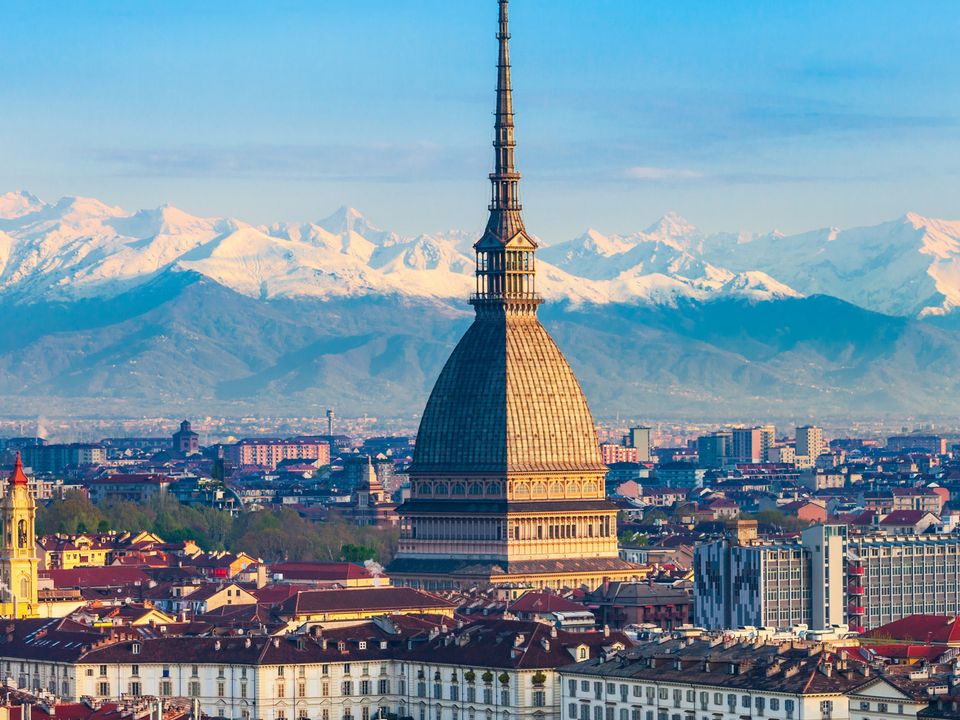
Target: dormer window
[(135, 648), (363, 644)]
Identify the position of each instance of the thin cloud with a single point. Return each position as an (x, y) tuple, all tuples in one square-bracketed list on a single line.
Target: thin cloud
[(659, 173), (370, 163)]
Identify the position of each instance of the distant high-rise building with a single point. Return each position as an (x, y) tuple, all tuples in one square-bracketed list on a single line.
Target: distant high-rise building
[(927, 443), (715, 450), (810, 442), (613, 453), (747, 445), (270, 452), (640, 438), (57, 458), (768, 438)]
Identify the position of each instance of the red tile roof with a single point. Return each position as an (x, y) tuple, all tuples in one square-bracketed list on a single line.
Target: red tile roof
[(941, 629), (97, 577), (367, 599), (537, 601), (930, 653), (904, 517), (320, 571)]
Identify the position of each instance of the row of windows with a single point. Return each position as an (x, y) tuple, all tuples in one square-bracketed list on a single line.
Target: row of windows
[(453, 693), (881, 707), (459, 489), (599, 690), (583, 711)]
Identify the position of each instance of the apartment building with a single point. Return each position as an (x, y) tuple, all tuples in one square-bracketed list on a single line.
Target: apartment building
[(715, 450), (824, 578), (744, 580), (57, 458), (809, 444), (713, 679), (396, 666), (892, 576), (270, 452)]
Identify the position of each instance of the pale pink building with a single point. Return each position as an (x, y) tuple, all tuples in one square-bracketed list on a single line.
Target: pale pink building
[(612, 453), (268, 453)]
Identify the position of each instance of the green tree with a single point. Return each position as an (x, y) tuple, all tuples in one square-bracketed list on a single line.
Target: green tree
[(72, 514)]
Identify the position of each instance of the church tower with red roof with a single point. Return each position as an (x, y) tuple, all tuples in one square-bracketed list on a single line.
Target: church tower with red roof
[(18, 548)]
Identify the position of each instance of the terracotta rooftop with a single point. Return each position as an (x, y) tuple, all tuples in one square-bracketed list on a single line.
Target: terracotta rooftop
[(941, 629), (366, 599)]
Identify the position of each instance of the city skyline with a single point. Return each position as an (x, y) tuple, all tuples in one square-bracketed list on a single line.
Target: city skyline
[(740, 117)]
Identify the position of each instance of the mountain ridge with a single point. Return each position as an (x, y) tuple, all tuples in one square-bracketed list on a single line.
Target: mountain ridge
[(79, 247), (162, 311)]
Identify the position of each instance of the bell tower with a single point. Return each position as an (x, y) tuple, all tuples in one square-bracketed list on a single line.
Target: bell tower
[(18, 548)]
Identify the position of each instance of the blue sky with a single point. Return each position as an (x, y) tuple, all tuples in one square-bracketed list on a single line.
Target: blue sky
[(737, 115)]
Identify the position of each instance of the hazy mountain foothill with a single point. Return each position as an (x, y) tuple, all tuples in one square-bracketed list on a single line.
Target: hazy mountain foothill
[(159, 311)]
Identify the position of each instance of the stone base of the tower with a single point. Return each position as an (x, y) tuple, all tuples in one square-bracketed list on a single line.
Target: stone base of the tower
[(451, 574)]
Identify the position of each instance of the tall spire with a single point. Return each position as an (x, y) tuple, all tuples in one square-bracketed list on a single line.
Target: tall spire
[(18, 477), (505, 264), (504, 141)]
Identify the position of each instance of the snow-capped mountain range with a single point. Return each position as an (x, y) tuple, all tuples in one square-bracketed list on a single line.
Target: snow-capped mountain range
[(162, 311), (81, 247)]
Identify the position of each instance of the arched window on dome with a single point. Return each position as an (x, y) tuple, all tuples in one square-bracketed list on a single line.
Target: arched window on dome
[(589, 488), (476, 489), (539, 490), (556, 490), (425, 489), (458, 489), (522, 490), (442, 489), (493, 488)]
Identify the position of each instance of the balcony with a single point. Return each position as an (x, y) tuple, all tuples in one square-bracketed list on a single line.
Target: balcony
[(856, 570), (857, 609), (856, 590)]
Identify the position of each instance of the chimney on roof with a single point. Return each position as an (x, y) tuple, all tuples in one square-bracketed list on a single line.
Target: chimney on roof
[(216, 644), (606, 631), (247, 643)]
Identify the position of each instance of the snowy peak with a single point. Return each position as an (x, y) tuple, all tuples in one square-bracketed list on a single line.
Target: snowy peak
[(19, 203), (757, 286), (350, 221), (673, 226), (596, 242)]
